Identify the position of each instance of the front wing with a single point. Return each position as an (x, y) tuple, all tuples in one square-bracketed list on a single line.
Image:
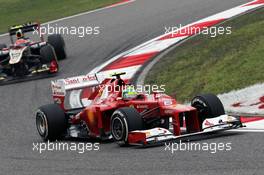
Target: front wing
[(42, 73), (159, 136)]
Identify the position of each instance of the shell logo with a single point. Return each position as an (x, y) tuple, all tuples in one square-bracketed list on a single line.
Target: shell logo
[(148, 134)]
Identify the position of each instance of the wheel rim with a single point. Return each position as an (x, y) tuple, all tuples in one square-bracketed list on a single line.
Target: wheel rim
[(202, 112), (117, 128), (42, 125), (200, 108)]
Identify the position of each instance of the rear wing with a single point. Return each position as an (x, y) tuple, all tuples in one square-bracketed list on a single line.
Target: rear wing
[(74, 92), (27, 27)]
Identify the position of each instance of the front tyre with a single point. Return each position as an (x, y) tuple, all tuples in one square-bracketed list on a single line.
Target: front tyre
[(123, 121), (51, 122), (208, 106)]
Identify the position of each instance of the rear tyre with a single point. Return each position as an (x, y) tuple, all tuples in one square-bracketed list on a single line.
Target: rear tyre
[(2, 46), (47, 54), (51, 122), (123, 121), (57, 42), (208, 106)]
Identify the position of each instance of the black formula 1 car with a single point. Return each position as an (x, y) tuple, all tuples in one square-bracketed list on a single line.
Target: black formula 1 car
[(25, 59)]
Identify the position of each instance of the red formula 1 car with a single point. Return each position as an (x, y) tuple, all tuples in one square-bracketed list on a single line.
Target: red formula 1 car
[(25, 59), (116, 110)]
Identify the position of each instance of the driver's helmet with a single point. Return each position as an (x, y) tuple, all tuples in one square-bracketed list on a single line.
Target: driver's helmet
[(129, 92), (19, 34)]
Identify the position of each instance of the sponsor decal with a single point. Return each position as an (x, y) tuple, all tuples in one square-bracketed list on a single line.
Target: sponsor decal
[(142, 106), (57, 90), (167, 102), (199, 101), (207, 123), (81, 79), (168, 111)]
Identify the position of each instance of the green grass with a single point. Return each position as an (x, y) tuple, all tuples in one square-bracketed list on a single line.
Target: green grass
[(14, 12), (217, 65)]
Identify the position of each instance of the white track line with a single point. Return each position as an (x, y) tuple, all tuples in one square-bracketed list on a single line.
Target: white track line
[(247, 130), (240, 130), (227, 14), (81, 14)]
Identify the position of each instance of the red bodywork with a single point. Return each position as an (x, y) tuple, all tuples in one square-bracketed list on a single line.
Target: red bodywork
[(97, 115), (21, 41)]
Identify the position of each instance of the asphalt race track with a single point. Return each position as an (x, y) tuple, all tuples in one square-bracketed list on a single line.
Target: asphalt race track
[(121, 28)]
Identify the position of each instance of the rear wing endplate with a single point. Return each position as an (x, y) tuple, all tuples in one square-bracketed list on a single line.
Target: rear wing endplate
[(67, 92)]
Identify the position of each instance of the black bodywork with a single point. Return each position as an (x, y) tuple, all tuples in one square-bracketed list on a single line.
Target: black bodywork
[(38, 60)]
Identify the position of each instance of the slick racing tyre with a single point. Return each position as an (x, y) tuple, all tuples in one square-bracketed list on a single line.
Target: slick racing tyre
[(57, 42), (2, 46), (51, 122), (47, 54), (208, 106), (123, 121)]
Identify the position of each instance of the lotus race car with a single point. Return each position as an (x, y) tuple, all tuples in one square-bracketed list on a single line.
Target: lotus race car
[(116, 110), (26, 59)]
